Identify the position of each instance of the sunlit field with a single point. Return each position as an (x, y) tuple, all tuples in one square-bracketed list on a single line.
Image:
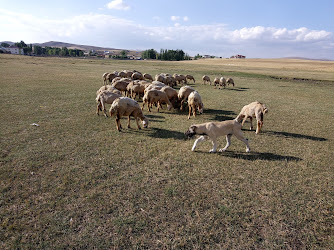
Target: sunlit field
[(74, 181)]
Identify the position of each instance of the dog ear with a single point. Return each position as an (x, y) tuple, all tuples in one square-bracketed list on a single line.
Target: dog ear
[(193, 127)]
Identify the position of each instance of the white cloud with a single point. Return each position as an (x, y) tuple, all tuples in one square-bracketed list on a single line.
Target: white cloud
[(174, 18), (118, 5), (214, 39), (185, 18)]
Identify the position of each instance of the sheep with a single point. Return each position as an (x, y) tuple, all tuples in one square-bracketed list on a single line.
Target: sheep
[(159, 78), (121, 85), (230, 81), (103, 98), (190, 77), (104, 77), (137, 76), (125, 106), (148, 76), (206, 79), (155, 96), (183, 94), (122, 74), (171, 94), (195, 102), (222, 82), (108, 88), (216, 81), (111, 77), (255, 109), (138, 89), (180, 78)]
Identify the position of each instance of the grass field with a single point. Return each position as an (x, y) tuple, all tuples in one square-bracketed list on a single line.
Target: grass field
[(76, 182)]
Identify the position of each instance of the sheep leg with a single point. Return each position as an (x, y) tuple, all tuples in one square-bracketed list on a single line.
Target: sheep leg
[(241, 137), (129, 122), (118, 123), (194, 111), (189, 112), (98, 108), (259, 126), (137, 120), (200, 139), (228, 143), (244, 120), (181, 108)]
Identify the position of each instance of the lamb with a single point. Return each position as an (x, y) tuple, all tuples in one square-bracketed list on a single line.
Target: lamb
[(103, 98), (230, 81), (183, 94), (109, 88), (195, 102), (155, 96), (254, 109), (148, 76), (125, 106), (190, 77), (171, 94), (222, 82), (206, 79)]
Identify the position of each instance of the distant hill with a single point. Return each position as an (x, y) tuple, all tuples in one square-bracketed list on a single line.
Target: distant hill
[(76, 46)]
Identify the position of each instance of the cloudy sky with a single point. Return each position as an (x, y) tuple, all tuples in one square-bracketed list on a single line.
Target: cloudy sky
[(255, 28)]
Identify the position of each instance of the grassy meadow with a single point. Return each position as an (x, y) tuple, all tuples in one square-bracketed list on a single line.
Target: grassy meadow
[(76, 182)]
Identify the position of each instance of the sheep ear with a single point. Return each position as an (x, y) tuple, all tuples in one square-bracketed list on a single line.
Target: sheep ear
[(193, 127)]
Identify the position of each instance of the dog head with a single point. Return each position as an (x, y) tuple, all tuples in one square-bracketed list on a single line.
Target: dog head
[(191, 131)]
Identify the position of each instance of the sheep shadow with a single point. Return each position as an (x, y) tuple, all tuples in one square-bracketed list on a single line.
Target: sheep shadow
[(294, 135), (165, 134), (219, 115), (155, 118), (236, 89), (253, 156)]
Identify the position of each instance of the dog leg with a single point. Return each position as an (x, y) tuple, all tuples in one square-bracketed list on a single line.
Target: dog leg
[(200, 139), (228, 143), (214, 149), (251, 123), (240, 136)]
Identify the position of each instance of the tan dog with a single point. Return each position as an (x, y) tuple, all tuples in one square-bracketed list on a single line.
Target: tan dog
[(215, 129)]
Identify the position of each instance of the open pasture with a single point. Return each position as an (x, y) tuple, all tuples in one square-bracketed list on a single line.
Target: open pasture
[(76, 182)]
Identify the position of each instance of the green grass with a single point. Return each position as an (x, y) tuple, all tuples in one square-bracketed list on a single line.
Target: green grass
[(76, 182)]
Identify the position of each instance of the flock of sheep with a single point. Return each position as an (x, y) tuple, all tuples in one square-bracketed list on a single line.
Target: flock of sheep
[(122, 88)]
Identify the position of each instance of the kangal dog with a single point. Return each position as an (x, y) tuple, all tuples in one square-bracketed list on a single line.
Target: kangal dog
[(213, 130)]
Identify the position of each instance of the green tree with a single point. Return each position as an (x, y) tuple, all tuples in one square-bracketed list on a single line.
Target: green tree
[(6, 45), (123, 54)]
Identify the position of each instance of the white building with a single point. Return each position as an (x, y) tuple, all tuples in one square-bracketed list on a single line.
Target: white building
[(15, 50)]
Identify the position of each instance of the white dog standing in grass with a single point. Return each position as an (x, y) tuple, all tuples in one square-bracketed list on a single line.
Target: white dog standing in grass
[(213, 130)]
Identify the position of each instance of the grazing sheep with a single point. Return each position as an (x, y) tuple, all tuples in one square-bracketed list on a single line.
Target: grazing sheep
[(194, 103), (155, 96), (122, 74), (109, 88), (137, 89), (159, 78), (190, 77), (222, 82), (137, 76), (148, 76), (183, 94), (121, 85), (206, 79), (125, 106), (128, 73), (171, 94), (103, 98), (230, 81), (254, 109), (110, 77), (180, 78), (216, 81)]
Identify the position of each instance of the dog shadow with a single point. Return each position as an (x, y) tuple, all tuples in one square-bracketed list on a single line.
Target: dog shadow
[(294, 135), (165, 134), (253, 156), (220, 115)]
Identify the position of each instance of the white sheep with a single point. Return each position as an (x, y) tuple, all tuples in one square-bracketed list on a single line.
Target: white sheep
[(190, 77), (254, 109), (125, 106), (216, 81), (230, 81), (103, 98), (195, 103), (158, 97), (109, 88), (148, 76), (222, 82), (171, 94), (183, 94)]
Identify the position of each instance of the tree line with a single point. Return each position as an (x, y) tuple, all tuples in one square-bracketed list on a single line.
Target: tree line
[(165, 55), (45, 51)]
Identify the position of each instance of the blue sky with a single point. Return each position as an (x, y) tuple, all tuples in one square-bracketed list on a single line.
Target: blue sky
[(257, 28)]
